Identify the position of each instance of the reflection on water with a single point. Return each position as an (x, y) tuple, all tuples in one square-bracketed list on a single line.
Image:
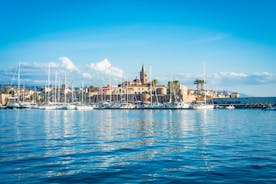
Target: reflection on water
[(137, 146)]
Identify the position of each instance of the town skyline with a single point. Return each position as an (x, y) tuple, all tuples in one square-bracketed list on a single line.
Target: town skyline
[(98, 42)]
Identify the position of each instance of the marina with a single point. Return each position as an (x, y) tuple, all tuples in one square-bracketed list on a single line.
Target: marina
[(268, 103), (136, 94), (217, 103)]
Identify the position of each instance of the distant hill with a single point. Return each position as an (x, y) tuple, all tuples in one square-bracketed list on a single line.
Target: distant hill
[(244, 95), (29, 87)]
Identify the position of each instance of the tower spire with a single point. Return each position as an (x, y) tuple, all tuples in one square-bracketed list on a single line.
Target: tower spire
[(143, 75), (143, 68)]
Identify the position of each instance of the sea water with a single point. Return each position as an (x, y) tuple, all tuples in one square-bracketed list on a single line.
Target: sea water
[(138, 146)]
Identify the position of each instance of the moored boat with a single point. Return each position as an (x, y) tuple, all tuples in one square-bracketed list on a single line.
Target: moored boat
[(271, 108), (230, 107), (201, 105), (84, 107)]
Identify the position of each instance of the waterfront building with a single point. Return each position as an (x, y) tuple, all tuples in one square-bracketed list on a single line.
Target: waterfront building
[(234, 95), (143, 75), (137, 90), (141, 90), (4, 98)]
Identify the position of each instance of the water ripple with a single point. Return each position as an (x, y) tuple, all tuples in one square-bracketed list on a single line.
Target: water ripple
[(137, 146)]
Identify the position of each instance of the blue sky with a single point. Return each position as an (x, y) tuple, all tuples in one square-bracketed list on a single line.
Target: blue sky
[(99, 41)]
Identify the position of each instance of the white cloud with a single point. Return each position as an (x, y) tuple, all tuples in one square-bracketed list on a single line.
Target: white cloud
[(234, 78), (105, 67), (101, 66), (223, 79), (37, 72), (39, 65), (87, 75), (231, 74), (68, 64), (53, 65), (210, 39)]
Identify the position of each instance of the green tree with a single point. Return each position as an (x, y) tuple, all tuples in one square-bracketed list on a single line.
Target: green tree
[(154, 82), (199, 85), (174, 87), (93, 88)]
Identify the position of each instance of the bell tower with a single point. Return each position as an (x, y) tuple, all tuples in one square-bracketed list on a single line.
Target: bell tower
[(143, 75)]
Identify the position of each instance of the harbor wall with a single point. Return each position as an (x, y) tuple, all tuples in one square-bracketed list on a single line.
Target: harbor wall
[(246, 102)]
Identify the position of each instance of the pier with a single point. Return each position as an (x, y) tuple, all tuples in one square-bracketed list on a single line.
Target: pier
[(246, 102)]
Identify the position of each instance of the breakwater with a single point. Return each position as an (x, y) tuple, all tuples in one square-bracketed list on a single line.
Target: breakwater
[(246, 102)]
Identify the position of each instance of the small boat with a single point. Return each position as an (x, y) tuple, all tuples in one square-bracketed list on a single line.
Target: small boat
[(219, 107), (181, 105), (84, 107), (151, 106), (230, 107), (177, 105), (2, 106), (47, 107), (70, 107), (13, 105), (127, 106), (271, 108), (28, 105)]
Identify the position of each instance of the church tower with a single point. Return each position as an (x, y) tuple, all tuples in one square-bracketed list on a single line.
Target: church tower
[(143, 75)]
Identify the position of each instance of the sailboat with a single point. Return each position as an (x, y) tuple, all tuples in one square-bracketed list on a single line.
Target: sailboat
[(154, 104), (48, 104), (202, 104), (82, 106), (175, 101), (14, 102)]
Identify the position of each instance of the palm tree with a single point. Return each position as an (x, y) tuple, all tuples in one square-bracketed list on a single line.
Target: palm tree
[(175, 83), (174, 87), (93, 89), (199, 85), (154, 82)]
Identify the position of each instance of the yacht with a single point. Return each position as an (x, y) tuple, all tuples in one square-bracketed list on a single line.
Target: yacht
[(13, 103), (84, 107), (2, 107), (178, 105), (201, 105)]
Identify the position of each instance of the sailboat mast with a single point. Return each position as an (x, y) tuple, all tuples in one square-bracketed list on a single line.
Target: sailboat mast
[(56, 88), (205, 90), (72, 92), (18, 82), (59, 89), (45, 94), (127, 91), (65, 88), (150, 86), (48, 83), (82, 92), (48, 90)]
